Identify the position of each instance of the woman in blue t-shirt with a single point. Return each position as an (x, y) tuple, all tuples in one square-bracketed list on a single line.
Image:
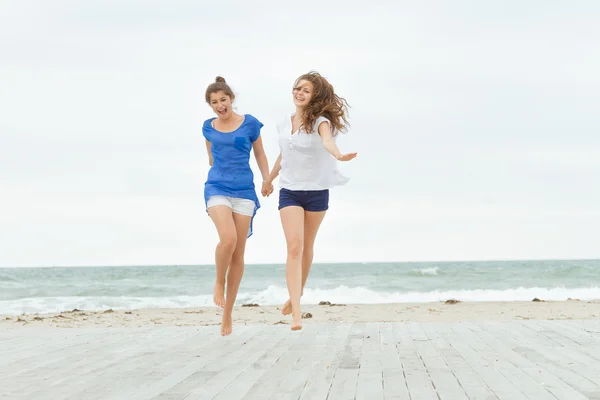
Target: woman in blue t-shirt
[(229, 193)]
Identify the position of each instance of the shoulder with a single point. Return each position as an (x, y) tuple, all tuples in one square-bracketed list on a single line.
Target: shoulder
[(207, 126), (251, 120), (319, 121), (253, 127), (284, 122)]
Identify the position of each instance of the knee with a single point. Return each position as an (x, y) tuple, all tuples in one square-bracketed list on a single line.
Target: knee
[(236, 269), (228, 243), (295, 248), (307, 252), (237, 260)]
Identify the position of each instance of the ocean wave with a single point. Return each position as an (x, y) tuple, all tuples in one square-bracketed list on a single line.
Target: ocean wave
[(7, 278), (276, 295), (361, 295), (44, 305), (430, 271)]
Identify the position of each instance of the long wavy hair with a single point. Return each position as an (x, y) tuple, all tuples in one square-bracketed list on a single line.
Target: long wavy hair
[(324, 102)]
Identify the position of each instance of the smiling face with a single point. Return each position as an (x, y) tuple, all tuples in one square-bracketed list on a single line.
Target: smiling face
[(221, 104), (303, 93)]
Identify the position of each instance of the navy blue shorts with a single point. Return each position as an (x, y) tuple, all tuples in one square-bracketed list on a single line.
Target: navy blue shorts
[(309, 200)]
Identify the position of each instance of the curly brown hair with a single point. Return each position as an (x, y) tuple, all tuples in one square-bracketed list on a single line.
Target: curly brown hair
[(324, 102), (217, 86)]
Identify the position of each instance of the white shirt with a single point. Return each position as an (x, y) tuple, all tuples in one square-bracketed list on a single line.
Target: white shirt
[(305, 164)]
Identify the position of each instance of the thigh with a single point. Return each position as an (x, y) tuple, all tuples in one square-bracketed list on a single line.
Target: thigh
[(312, 222), (222, 217), (292, 220), (242, 226), (242, 206), (218, 200), (317, 200), (290, 198)]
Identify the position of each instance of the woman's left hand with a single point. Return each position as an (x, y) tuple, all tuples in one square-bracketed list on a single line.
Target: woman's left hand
[(347, 157)]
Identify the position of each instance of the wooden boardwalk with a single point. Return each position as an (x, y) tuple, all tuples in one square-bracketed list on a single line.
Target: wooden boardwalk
[(462, 360)]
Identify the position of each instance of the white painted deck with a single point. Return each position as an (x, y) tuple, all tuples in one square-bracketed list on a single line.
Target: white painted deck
[(476, 360)]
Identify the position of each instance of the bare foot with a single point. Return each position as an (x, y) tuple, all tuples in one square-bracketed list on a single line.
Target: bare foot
[(219, 294), (287, 308), (296, 325), (226, 325)]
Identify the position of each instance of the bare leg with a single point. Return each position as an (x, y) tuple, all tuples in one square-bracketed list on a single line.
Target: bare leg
[(312, 222), (236, 271), (292, 219), (222, 217)]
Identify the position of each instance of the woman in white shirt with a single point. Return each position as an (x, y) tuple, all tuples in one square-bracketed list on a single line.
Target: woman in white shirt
[(307, 165)]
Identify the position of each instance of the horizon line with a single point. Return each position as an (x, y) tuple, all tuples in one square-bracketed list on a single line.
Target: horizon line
[(314, 263)]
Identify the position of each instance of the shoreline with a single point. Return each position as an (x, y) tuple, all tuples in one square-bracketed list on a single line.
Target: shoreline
[(325, 313)]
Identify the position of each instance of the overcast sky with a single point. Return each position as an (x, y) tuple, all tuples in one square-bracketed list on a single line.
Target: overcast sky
[(477, 126)]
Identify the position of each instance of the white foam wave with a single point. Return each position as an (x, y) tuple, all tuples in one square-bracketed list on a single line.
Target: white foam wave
[(276, 295), (45, 305), (432, 271), (361, 295)]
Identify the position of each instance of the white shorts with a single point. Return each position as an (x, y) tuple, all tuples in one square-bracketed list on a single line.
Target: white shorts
[(237, 205)]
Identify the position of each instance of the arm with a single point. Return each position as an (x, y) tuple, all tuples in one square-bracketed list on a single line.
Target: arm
[(276, 168), (261, 158), (329, 143), (210, 158)]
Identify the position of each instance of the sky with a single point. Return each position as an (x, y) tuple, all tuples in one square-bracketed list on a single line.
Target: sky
[(476, 126)]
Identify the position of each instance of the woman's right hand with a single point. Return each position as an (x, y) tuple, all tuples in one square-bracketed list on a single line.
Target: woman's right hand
[(267, 189)]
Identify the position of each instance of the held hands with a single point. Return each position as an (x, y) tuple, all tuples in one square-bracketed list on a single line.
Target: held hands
[(267, 189), (346, 157)]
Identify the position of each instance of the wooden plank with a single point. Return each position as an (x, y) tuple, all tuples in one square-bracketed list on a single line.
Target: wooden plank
[(394, 381), (313, 346), (370, 373), (319, 382), (543, 356), (521, 381), (345, 380), (558, 354), (238, 361), (469, 380), (194, 374), (29, 339), (21, 383), (157, 370), (574, 332), (496, 381), (268, 382), (443, 380), (75, 350), (239, 387), (476, 360), (44, 342), (111, 373), (417, 377), (553, 384), (586, 342)]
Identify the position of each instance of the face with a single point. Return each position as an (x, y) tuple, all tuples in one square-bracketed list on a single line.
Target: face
[(221, 104), (303, 93)]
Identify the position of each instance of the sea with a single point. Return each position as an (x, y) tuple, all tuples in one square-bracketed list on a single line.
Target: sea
[(56, 289)]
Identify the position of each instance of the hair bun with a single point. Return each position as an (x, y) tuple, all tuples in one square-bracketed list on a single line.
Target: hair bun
[(220, 79)]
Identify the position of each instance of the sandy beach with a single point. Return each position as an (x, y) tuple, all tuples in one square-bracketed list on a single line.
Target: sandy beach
[(324, 313)]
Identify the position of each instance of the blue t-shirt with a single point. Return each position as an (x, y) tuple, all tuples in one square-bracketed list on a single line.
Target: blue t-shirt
[(230, 174)]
